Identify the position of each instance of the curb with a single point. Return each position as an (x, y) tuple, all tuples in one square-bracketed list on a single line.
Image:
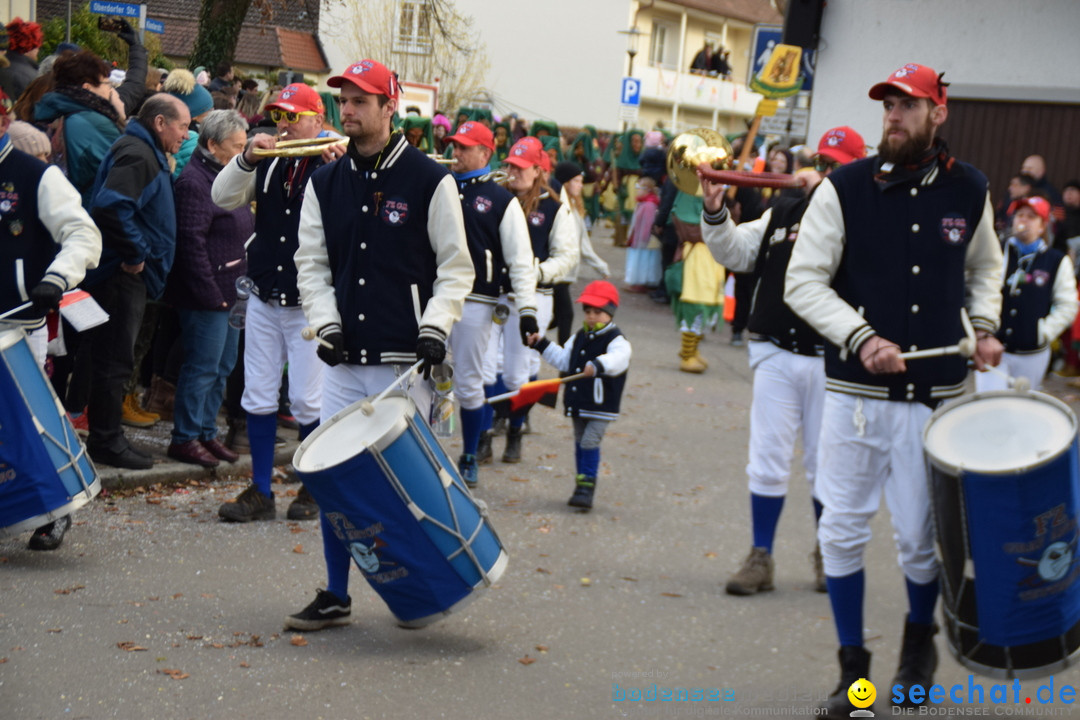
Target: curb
[(169, 472)]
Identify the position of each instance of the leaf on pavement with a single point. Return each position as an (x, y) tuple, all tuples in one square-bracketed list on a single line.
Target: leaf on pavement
[(68, 591), (129, 646), (526, 660), (174, 674), (298, 640), (667, 594), (299, 549)]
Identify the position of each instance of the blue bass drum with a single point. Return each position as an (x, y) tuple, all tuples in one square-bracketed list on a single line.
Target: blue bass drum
[(397, 502), (1003, 478), (45, 473)]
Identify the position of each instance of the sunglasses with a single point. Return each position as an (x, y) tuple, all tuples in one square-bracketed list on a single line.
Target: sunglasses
[(279, 115), (823, 164)]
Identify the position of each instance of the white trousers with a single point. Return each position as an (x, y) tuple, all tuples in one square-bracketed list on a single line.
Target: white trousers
[(342, 385), (545, 308), (866, 447), (272, 338), (505, 353), (789, 394), (468, 345), (1031, 366)]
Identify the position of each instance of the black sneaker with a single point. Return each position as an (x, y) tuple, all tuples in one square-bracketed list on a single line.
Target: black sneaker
[(49, 537), (249, 505), (483, 450), (303, 507), (129, 458), (584, 488), (326, 610)]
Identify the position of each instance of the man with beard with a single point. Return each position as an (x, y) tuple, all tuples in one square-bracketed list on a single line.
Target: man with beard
[(383, 268), (891, 251)]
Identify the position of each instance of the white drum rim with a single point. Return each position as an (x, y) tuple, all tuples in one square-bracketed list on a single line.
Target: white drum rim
[(82, 498), (396, 430), (11, 336), (493, 575), (956, 470)]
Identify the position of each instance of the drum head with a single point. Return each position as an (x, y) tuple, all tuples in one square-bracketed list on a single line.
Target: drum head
[(998, 433), (350, 432)]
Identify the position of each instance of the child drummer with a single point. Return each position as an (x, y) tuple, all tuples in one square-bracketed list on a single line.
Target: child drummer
[(601, 354)]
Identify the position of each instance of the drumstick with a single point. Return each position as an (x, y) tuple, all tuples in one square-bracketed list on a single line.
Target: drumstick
[(26, 306), (309, 333), (1019, 384), (369, 407), (965, 347)]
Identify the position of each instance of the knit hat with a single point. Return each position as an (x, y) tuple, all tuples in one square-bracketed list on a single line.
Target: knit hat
[(600, 294), (29, 139), (23, 36), (566, 171), (181, 83)]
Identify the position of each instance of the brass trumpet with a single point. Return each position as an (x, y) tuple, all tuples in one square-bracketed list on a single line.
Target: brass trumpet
[(300, 148), (708, 151)]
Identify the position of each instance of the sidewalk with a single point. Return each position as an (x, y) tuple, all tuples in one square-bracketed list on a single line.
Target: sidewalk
[(155, 440)]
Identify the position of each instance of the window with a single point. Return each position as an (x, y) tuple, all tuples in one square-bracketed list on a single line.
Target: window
[(413, 28), (664, 46)]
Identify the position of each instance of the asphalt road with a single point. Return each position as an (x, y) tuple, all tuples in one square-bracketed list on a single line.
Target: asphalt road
[(154, 609)]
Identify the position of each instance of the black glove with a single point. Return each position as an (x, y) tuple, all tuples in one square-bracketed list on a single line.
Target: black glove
[(127, 33), (528, 326), (46, 296), (432, 351), (335, 353)]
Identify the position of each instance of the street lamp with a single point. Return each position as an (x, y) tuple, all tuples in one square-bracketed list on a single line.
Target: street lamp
[(632, 36)]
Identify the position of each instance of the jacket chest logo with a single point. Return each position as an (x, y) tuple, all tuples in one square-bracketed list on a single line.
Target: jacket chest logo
[(9, 199), (482, 204), (784, 234), (1040, 278), (394, 212), (537, 218), (954, 229)]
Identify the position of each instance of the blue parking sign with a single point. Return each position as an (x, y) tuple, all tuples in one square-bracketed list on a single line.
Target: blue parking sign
[(631, 92)]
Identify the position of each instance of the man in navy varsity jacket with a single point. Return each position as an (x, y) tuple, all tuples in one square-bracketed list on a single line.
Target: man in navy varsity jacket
[(383, 269), (785, 354), (498, 240), (47, 243), (890, 250), (1038, 297), (275, 321)]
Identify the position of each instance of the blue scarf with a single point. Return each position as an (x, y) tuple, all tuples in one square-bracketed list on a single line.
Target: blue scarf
[(462, 177)]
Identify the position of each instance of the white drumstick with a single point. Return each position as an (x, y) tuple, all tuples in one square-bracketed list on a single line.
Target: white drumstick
[(369, 407), (309, 333), (1019, 384), (965, 347)]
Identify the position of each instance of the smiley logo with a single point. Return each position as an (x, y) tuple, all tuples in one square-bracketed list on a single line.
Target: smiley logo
[(862, 693)]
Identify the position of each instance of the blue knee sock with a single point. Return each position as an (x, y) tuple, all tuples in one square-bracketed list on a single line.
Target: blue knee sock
[(471, 427), (261, 430), (337, 560), (818, 507), (488, 411), (590, 462), (306, 430), (921, 601), (846, 597), (499, 388), (764, 516)]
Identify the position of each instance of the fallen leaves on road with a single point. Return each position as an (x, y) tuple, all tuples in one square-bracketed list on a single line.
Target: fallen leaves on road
[(298, 640), (129, 646), (630, 579), (68, 591), (174, 674), (515, 478), (245, 665), (586, 582), (669, 594), (299, 549), (55, 630), (526, 660), (542, 648), (543, 570)]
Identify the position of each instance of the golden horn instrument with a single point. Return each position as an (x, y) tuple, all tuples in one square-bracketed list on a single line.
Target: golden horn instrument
[(442, 160), (708, 151), (300, 148)]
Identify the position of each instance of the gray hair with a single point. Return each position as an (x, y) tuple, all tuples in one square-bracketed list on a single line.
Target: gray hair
[(162, 104), (218, 125)]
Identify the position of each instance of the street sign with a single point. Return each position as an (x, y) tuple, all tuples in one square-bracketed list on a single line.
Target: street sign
[(629, 113), (128, 10), (766, 37), (786, 121), (155, 26), (631, 92)]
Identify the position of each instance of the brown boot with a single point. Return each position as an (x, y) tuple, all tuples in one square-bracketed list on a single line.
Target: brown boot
[(160, 397), (755, 575), (690, 360)]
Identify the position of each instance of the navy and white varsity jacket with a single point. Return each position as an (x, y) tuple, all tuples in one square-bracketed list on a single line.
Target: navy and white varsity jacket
[(277, 185), (598, 397), (498, 240), (897, 260), (383, 255), (554, 242), (45, 233), (1038, 298), (763, 246)]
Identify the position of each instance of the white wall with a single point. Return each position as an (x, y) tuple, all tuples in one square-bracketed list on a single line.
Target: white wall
[(1014, 49)]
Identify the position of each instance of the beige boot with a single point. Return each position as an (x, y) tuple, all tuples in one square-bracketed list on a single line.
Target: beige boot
[(697, 352), (755, 575), (691, 362), (132, 413)]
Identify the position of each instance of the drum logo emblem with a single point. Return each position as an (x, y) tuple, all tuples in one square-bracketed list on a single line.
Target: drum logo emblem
[(365, 556), (953, 229), (7, 474), (1055, 561), (395, 212)]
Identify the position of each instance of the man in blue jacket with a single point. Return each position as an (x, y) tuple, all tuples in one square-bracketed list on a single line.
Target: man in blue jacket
[(133, 206)]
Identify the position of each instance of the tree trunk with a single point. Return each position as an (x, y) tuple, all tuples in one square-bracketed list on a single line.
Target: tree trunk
[(219, 31)]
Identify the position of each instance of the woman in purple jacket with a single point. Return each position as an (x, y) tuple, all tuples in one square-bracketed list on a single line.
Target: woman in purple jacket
[(202, 287)]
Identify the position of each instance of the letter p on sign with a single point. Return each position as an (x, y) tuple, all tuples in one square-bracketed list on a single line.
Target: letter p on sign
[(631, 91)]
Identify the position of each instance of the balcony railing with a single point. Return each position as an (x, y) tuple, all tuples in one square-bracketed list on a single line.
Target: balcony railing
[(696, 91)]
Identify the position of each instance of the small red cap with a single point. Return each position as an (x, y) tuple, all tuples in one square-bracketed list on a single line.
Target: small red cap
[(527, 152), (601, 294), (473, 133), (842, 144), (1040, 205), (298, 97), (915, 80), (370, 76)]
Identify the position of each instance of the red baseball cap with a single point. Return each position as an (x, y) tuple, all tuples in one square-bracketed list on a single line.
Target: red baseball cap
[(298, 97), (527, 152), (473, 133), (370, 76), (842, 144), (915, 80), (600, 294), (1040, 205)]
